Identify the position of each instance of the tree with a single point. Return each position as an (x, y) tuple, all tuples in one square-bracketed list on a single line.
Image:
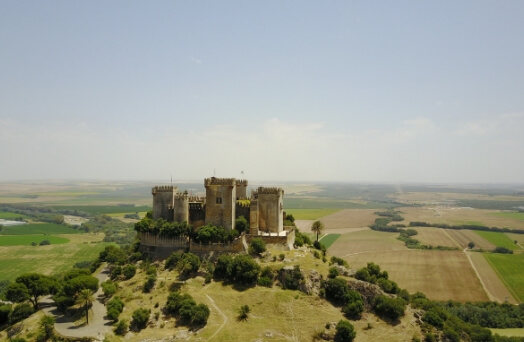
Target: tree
[(37, 285), (47, 324), (241, 224), (317, 227), (86, 298), (17, 292), (141, 317), (243, 312), (245, 270), (258, 246), (109, 288), (471, 245), (345, 331)]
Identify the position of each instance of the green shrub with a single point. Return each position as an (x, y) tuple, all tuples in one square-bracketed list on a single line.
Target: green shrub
[(129, 271), (140, 318), (20, 312), (339, 261), (257, 246), (345, 332), (389, 308), (333, 272)]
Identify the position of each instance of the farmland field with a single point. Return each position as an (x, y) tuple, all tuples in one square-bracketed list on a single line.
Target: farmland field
[(459, 216), (492, 282), (310, 214), (25, 240), (11, 216), (441, 275), (499, 239), (38, 228), (435, 237), (329, 239), (509, 268), (17, 260), (464, 237), (104, 209), (511, 215), (364, 242), (349, 218)]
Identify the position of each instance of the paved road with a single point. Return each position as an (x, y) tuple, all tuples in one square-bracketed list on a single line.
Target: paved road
[(98, 325)]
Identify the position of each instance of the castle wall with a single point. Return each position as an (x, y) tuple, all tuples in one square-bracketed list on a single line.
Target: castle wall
[(288, 240), (242, 210), (237, 246), (197, 214), (221, 201), (157, 247), (163, 202), (270, 210)]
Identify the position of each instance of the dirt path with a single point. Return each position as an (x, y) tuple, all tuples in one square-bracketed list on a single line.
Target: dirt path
[(220, 312), (98, 325)]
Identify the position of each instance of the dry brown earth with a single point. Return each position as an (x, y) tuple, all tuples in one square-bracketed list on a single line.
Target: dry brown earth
[(434, 237), (441, 275), (350, 218)]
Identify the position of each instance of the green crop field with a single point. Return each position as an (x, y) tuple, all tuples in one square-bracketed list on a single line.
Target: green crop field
[(25, 240), (509, 332), (509, 268), (11, 216), (104, 209), (498, 239), (38, 228), (512, 215), (51, 259), (329, 239), (310, 214)]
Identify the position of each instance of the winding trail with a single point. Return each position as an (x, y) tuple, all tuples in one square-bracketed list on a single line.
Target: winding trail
[(98, 324), (220, 312)]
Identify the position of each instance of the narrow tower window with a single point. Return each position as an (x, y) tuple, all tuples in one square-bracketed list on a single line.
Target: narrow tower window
[(219, 200)]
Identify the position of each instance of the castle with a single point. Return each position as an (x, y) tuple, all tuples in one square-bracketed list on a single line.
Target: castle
[(224, 202)]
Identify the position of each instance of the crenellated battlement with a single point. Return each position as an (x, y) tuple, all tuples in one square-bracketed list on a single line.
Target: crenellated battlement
[(242, 182), (163, 188), (269, 191), (219, 181), (196, 205)]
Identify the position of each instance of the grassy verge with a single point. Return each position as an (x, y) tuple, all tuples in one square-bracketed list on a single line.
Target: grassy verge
[(329, 239), (38, 228), (509, 268), (11, 216), (310, 214), (25, 240), (498, 239)]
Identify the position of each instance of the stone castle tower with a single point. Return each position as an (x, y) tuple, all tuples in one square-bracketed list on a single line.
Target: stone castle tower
[(226, 199)]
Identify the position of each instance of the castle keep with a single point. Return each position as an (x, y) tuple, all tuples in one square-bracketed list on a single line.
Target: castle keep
[(226, 200)]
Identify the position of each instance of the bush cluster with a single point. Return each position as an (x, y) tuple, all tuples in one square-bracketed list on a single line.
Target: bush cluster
[(185, 307), (338, 292), (114, 308), (242, 269), (372, 274)]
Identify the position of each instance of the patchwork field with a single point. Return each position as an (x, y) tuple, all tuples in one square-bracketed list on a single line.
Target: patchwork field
[(464, 237), (499, 240), (17, 260), (441, 275), (458, 216), (490, 279), (509, 268)]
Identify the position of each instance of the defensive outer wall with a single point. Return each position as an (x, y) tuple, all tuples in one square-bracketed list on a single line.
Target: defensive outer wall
[(157, 247)]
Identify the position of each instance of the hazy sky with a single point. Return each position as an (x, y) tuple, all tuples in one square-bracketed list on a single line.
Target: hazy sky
[(380, 91)]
